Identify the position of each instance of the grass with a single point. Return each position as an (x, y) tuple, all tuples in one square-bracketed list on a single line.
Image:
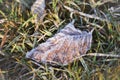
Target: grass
[(18, 35)]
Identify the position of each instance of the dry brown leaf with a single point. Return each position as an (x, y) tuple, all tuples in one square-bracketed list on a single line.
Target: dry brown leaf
[(38, 9), (64, 47)]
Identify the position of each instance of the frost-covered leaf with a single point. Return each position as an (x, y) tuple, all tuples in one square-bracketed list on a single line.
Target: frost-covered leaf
[(64, 47), (38, 9)]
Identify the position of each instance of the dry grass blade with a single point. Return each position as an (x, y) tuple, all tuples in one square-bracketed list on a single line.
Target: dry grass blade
[(3, 39), (103, 55), (101, 2), (84, 64), (84, 14), (115, 12), (2, 77), (92, 24)]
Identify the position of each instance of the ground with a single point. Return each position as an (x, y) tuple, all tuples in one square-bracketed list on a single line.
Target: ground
[(19, 34)]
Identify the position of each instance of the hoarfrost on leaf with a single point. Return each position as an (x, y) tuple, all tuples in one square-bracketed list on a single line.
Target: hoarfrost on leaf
[(63, 47), (38, 9)]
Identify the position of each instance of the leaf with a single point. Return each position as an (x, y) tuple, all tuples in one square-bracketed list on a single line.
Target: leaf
[(64, 47), (38, 9)]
